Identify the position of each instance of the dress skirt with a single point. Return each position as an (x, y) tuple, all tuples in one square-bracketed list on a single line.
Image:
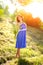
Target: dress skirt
[(21, 39)]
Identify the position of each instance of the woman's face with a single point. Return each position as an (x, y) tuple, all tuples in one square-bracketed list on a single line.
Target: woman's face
[(19, 18)]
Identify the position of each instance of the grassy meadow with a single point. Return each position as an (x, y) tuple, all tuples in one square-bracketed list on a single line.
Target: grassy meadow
[(31, 55)]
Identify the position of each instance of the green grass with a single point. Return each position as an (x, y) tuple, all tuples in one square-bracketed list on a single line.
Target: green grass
[(31, 55)]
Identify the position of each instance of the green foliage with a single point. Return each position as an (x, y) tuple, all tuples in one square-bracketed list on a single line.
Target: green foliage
[(41, 49), (23, 62), (41, 25), (2, 60), (31, 55), (15, 30), (1, 7), (1, 12), (13, 16), (9, 57), (4, 11), (1, 19)]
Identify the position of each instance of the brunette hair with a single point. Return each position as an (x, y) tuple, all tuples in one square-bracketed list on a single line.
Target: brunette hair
[(18, 18)]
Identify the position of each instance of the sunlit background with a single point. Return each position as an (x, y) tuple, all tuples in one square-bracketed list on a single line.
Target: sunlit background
[(32, 13), (35, 7)]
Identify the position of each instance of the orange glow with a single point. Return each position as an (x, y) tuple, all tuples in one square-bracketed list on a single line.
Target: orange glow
[(24, 2), (35, 22), (36, 9)]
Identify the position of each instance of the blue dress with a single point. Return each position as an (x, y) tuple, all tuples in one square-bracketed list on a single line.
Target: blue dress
[(21, 37)]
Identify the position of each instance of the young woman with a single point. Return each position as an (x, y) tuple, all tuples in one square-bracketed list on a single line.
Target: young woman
[(21, 36)]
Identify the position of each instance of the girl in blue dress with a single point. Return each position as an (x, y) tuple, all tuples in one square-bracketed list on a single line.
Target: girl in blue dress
[(21, 36)]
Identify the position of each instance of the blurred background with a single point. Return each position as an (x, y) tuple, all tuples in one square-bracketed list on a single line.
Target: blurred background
[(32, 12)]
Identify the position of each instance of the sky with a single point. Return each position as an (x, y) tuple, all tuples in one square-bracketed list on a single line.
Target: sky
[(35, 8)]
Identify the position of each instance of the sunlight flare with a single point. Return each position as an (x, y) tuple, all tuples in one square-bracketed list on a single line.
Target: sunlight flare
[(35, 8)]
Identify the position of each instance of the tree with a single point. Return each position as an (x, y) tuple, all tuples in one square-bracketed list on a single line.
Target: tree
[(29, 20), (6, 12), (13, 16), (1, 11), (1, 7), (37, 22)]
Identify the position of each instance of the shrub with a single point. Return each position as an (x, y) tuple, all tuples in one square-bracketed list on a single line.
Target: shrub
[(24, 62), (2, 60), (9, 57)]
